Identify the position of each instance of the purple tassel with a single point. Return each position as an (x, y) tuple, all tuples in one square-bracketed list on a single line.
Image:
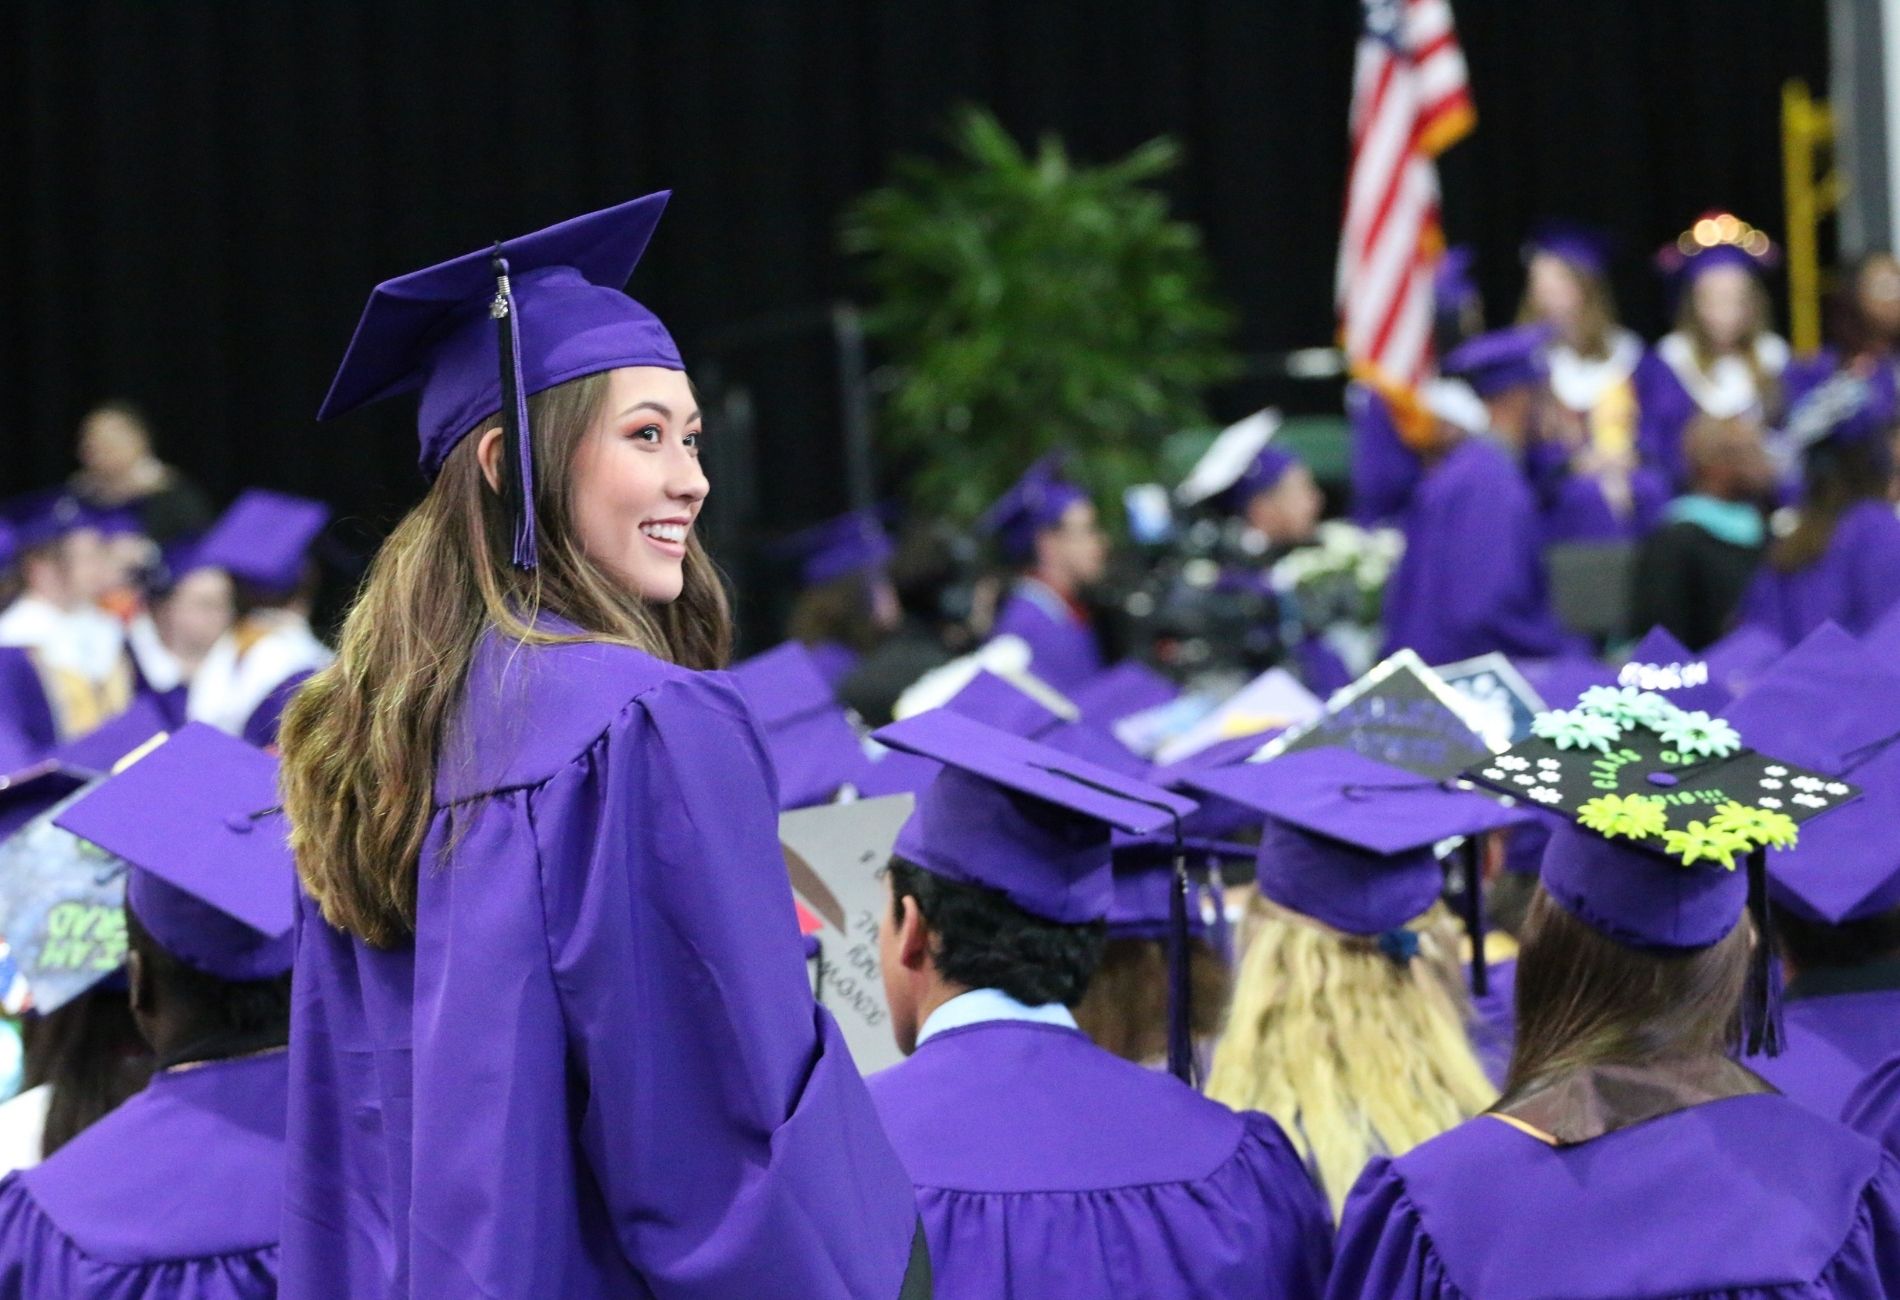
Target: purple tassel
[(1761, 1004), (514, 415), (1180, 1014)]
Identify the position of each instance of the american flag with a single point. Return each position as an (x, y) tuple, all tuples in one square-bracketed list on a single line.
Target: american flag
[(1410, 102)]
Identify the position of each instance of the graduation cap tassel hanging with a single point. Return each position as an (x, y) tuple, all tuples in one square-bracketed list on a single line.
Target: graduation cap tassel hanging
[(1761, 1006), (516, 436), (1474, 916), (1180, 987)]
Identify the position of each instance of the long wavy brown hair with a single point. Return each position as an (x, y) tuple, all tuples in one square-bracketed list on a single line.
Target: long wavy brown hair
[(360, 741)]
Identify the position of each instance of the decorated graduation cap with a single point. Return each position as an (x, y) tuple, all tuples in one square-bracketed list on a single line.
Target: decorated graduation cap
[(1716, 239), (1501, 360), (1037, 501), (1241, 462), (262, 540), (814, 748), (1834, 705), (1666, 808), (1842, 410), (837, 548), (1349, 841), (197, 820), (1037, 825), (1584, 247), (1661, 663), (62, 900), (480, 334)]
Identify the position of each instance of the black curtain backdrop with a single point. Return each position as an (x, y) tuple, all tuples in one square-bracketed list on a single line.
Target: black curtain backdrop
[(200, 194)]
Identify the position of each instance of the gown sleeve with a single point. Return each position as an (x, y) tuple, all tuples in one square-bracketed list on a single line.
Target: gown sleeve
[(1382, 1249), (733, 1144)]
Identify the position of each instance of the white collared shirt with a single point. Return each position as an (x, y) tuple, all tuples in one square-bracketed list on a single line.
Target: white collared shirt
[(980, 1005)]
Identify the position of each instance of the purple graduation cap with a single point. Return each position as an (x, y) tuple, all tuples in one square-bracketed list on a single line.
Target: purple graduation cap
[(1144, 880), (1348, 840), (1021, 818), (198, 821), (1664, 806), (1584, 247), (1843, 410), (42, 518), (262, 540), (483, 333), (1663, 664), (99, 750), (1834, 705), (1260, 474), (1130, 687), (851, 543), (1038, 500), (1037, 824), (1501, 360), (30, 791), (814, 748), (998, 702)]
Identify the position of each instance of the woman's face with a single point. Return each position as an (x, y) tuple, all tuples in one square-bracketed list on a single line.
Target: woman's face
[(637, 485), (112, 444), (198, 611), (1878, 293), (1724, 300), (1555, 292)]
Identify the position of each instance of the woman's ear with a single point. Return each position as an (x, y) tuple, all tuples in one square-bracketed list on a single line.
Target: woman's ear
[(488, 451)]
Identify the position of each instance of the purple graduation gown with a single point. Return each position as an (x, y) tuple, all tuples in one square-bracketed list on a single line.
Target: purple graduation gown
[(1472, 577), (598, 1069), (1834, 1040), (1494, 1019), (1856, 580), (1062, 648), (1575, 507), (26, 715), (173, 1196), (1751, 1196), (260, 728), (1049, 1169)]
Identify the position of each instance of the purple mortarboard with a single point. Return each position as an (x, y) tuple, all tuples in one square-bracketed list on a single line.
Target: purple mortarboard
[(997, 702), (1524, 850), (813, 746), (1266, 469), (1667, 806), (1453, 285), (100, 749), (1586, 249), (1037, 501), (1661, 663), (1843, 410), (1716, 239), (1739, 658), (1501, 360), (1128, 688), (481, 334), (1216, 818), (1029, 821), (1348, 840), (262, 540), (115, 521), (1834, 705), (851, 543), (197, 819)]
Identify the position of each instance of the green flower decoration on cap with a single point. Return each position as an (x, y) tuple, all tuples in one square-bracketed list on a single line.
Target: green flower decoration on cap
[(1634, 816), (1705, 842), (1627, 706), (1698, 733), (1760, 826), (1575, 729)]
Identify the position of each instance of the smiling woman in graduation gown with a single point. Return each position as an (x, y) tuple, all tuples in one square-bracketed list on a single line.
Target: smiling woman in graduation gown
[(1630, 1155), (553, 1034)]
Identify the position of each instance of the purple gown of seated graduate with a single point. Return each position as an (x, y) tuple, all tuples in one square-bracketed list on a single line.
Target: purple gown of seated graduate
[(1047, 1168), (1751, 1196), (598, 1069), (1856, 580), (1472, 577), (1062, 648), (173, 1196)]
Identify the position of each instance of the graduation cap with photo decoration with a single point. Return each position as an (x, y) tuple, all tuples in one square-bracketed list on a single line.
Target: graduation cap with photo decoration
[(1400, 713), (1503, 702), (62, 900), (815, 750), (1666, 807)]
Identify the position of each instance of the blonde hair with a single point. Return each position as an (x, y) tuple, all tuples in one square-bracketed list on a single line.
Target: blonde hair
[(1354, 1053), (360, 740)]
